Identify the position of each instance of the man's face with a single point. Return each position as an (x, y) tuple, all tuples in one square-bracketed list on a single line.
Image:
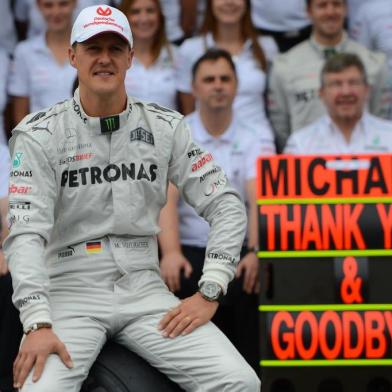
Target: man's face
[(327, 16), (344, 94), (57, 13), (215, 84), (102, 62)]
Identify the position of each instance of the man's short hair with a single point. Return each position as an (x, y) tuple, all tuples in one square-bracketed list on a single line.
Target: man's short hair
[(309, 3), (340, 62), (213, 54)]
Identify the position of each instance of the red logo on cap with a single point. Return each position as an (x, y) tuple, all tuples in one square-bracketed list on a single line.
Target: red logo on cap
[(102, 12)]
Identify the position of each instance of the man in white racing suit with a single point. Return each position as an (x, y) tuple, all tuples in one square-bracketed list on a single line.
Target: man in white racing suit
[(92, 175), (347, 128)]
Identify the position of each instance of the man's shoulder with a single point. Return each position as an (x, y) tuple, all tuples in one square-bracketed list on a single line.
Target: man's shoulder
[(163, 117), (379, 124), (42, 124), (294, 56), (369, 57)]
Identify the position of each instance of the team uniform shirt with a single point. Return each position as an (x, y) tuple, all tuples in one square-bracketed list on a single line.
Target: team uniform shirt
[(4, 72), (279, 15), (5, 167), (172, 11), (36, 74), (236, 152), (375, 36), (249, 101), (370, 135), (107, 178), (157, 83), (294, 84), (8, 36)]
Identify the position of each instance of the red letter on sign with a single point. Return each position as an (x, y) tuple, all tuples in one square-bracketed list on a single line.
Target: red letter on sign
[(287, 337), (310, 319), (352, 319), (333, 319), (374, 327)]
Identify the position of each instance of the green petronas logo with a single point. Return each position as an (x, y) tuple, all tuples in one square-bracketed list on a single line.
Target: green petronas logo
[(17, 160), (376, 140)]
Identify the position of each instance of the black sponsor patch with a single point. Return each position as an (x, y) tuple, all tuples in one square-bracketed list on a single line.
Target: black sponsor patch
[(70, 251), (110, 124), (19, 205), (141, 134), (36, 117)]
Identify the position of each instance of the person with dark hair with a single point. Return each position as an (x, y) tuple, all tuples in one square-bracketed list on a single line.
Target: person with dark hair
[(285, 20), (235, 145), (152, 75), (347, 128), (41, 74), (293, 99), (228, 25), (84, 259)]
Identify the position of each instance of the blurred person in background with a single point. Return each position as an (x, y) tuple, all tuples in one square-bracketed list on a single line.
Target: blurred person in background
[(4, 72), (152, 77), (41, 74), (285, 20), (29, 18), (228, 25), (294, 81), (346, 128), (10, 326), (8, 36), (235, 146), (375, 36)]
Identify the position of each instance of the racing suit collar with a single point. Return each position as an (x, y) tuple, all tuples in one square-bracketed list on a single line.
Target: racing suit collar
[(340, 47), (100, 125)]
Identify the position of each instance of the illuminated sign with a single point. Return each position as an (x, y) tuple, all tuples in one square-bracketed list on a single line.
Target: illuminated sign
[(292, 178), (328, 337), (332, 213)]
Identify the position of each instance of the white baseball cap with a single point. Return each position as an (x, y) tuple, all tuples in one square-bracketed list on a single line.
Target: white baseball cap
[(100, 19)]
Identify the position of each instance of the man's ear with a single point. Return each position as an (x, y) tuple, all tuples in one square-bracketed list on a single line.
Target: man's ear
[(71, 56)]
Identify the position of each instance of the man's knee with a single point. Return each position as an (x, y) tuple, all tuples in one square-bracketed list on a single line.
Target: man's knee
[(243, 380)]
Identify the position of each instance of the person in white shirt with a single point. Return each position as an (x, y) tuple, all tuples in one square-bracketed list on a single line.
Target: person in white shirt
[(7, 27), (30, 20), (152, 77), (293, 100), (4, 71), (285, 20), (41, 74), (235, 146), (375, 36), (228, 25), (347, 128)]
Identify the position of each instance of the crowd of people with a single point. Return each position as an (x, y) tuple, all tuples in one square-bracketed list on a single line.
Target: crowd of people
[(252, 78)]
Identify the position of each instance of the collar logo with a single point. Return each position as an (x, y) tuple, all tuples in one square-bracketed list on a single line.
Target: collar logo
[(102, 12)]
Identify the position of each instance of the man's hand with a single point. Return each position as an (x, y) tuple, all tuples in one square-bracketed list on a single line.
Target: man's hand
[(34, 351), (249, 266), (191, 313), (171, 266), (3, 264)]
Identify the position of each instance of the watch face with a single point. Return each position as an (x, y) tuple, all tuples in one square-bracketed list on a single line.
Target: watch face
[(211, 290)]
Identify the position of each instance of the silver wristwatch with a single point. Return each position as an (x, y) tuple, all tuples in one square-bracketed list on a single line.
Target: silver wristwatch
[(37, 326), (210, 291)]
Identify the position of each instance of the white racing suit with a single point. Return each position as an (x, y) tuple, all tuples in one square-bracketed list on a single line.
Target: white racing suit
[(85, 197)]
